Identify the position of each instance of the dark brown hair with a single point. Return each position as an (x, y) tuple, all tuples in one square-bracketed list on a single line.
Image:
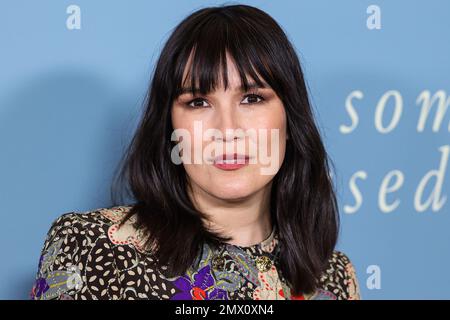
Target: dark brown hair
[(303, 202)]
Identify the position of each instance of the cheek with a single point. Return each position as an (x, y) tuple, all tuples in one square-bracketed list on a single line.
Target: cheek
[(183, 126), (271, 117), (272, 124), (180, 119)]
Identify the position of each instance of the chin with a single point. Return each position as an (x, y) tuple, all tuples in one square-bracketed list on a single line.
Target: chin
[(232, 193)]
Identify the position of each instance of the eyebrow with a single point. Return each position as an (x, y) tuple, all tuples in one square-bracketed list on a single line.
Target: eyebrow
[(252, 85)]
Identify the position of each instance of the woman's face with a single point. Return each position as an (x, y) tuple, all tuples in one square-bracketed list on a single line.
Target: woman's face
[(258, 110)]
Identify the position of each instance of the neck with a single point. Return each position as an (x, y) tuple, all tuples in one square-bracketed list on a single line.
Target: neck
[(246, 220)]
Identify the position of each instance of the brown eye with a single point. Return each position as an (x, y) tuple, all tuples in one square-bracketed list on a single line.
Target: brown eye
[(252, 98), (197, 103)]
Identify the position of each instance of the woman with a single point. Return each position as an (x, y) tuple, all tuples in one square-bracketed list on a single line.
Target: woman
[(237, 225)]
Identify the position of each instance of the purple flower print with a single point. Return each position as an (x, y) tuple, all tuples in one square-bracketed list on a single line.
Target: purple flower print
[(39, 288), (201, 287)]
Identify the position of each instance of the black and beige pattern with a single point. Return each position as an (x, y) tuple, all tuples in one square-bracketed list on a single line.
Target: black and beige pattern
[(86, 256)]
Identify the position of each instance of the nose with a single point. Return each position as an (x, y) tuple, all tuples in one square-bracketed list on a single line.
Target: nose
[(228, 122)]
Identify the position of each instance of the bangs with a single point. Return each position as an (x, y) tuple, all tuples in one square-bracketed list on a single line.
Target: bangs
[(203, 57)]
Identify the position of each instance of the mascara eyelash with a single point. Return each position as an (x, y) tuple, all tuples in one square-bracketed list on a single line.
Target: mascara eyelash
[(257, 94), (250, 93), (193, 100)]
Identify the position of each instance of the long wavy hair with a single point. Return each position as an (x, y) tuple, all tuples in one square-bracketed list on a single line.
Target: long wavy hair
[(303, 202)]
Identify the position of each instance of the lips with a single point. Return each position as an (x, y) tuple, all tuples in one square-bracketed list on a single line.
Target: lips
[(231, 158)]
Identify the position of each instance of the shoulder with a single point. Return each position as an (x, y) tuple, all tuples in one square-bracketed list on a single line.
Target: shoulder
[(101, 222), (78, 257), (92, 218), (340, 277)]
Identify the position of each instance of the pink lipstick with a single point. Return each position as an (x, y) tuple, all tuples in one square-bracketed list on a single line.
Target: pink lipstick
[(231, 161)]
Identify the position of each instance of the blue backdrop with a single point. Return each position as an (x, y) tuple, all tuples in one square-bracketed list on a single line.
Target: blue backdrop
[(70, 99)]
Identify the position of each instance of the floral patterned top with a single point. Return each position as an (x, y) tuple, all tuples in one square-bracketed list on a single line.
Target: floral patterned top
[(86, 256)]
